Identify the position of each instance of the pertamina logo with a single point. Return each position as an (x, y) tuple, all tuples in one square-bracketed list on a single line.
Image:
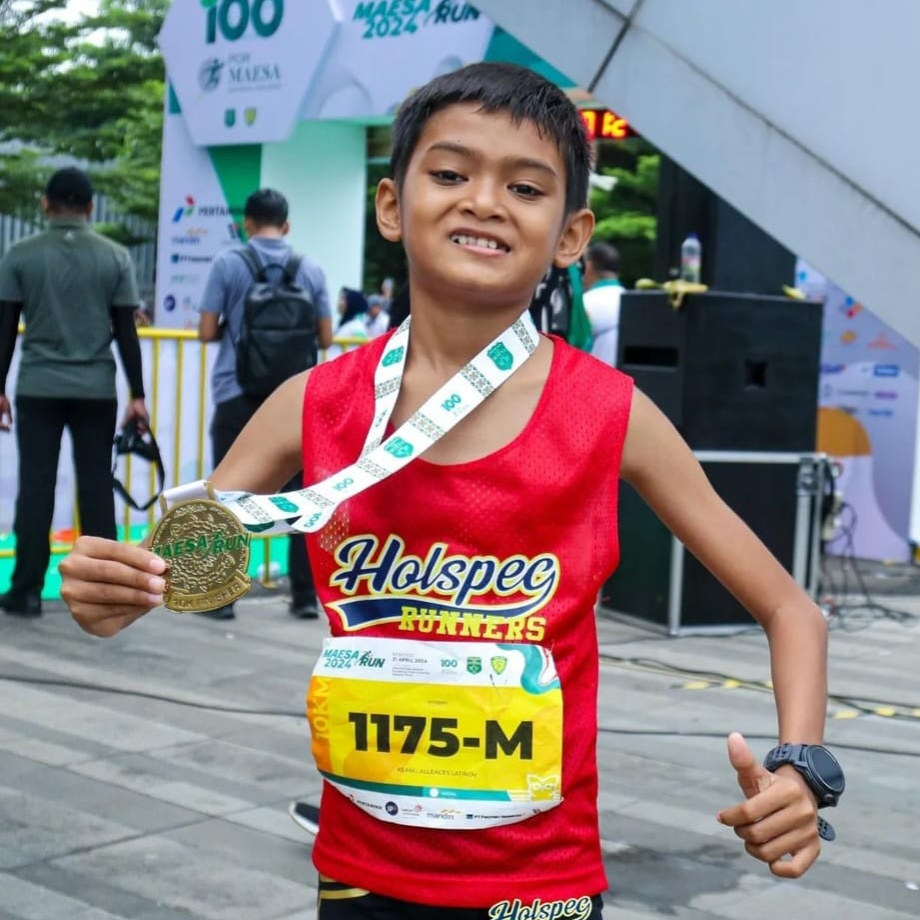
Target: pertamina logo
[(189, 207), (184, 210)]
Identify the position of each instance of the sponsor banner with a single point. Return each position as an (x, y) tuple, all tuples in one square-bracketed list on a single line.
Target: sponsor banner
[(868, 399), (240, 67), (195, 225), (380, 51)]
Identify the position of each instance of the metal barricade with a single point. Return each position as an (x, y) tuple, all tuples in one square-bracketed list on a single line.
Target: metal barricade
[(177, 382)]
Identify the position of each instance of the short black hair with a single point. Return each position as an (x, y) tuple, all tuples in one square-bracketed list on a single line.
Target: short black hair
[(604, 257), (266, 208), (355, 304), (69, 189), (517, 91)]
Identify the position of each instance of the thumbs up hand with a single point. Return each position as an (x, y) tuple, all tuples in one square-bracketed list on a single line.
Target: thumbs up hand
[(778, 817)]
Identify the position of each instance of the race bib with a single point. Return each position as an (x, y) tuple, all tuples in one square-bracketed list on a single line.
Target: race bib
[(434, 734)]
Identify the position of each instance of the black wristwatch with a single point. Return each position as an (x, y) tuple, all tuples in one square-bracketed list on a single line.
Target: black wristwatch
[(820, 769)]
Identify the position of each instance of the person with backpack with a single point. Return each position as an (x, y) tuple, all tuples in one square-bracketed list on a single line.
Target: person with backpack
[(269, 309)]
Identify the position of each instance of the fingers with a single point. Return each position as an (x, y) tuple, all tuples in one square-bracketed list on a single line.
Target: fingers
[(90, 550), (802, 847), (108, 585), (752, 776), (800, 863), (110, 625), (760, 806), (793, 842), (137, 412), (781, 821), (798, 818)]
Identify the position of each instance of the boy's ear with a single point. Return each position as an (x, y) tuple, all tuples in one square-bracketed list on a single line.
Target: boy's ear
[(387, 206), (576, 234)]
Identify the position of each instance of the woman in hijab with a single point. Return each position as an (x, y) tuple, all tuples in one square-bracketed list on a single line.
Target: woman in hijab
[(352, 321)]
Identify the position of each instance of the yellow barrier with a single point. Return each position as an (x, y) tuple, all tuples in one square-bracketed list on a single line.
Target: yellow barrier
[(184, 339)]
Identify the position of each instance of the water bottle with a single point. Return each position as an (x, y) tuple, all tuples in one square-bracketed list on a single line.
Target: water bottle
[(691, 257)]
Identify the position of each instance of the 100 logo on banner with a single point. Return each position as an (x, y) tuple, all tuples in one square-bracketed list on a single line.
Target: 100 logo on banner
[(231, 18)]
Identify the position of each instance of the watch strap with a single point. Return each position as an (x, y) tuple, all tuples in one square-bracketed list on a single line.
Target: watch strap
[(783, 754)]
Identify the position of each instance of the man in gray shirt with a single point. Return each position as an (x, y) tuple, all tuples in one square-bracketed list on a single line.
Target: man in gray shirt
[(265, 221), (75, 290)]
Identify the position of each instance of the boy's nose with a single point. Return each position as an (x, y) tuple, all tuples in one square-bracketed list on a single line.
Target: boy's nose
[(484, 200)]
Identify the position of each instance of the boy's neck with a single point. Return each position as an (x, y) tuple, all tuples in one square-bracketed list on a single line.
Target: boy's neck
[(444, 338)]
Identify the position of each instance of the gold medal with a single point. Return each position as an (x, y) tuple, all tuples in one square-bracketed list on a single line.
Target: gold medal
[(207, 551)]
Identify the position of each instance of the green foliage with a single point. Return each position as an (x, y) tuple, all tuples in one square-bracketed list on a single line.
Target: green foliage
[(22, 176), (91, 89), (626, 215), (382, 259)]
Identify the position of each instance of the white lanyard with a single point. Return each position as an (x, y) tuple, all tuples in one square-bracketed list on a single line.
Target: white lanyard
[(309, 509)]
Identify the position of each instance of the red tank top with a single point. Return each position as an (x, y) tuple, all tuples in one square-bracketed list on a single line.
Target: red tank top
[(552, 490)]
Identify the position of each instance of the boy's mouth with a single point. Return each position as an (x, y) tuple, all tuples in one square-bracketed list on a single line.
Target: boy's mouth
[(479, 241)]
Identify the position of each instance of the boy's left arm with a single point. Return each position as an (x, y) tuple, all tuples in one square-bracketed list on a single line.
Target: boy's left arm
[(778, 819)]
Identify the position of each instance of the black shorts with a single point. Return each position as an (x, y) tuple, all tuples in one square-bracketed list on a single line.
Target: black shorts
[(344, 902)]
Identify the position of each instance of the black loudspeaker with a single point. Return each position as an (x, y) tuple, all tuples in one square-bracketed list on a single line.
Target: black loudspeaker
[(732, 372), (737, 374), (777, 494)]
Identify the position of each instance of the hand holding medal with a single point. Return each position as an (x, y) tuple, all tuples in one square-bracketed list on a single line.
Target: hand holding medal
[(206, 550)]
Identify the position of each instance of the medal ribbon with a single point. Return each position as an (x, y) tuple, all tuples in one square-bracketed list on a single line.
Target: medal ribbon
[(307, 510)]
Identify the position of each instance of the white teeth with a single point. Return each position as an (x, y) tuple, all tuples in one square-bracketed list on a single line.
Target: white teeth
[(481, 241)]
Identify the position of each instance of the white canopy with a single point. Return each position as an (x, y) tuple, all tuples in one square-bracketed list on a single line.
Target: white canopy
[(797, 113)]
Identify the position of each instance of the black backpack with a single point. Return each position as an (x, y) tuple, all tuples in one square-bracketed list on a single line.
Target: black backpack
[(278, 329)]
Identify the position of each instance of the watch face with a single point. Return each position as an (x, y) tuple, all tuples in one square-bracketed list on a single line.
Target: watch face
[(824, 765)]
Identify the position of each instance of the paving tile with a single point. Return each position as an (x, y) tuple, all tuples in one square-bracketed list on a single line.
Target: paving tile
[(175, 776), (91, 891), (775, 902), (187, 795), (204, 883), (282, 856), (240, 764), (33, 829), (136, 811), (33, 902), (72, 717)]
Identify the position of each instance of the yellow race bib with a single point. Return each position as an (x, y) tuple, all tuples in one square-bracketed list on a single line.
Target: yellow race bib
[(437, 734)]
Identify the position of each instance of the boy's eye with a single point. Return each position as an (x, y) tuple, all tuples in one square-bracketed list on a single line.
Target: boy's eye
[(446, 175), (528, 191)]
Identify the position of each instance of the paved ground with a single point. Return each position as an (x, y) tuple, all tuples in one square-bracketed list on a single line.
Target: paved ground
[(130, 789)]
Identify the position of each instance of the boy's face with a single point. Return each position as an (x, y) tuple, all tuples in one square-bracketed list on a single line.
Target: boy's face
[(481, 211)]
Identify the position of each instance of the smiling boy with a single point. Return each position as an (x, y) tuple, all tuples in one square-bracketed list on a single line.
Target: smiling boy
[(460, 752)]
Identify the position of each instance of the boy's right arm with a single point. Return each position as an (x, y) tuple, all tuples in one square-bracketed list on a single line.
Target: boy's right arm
[(108, 585)]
